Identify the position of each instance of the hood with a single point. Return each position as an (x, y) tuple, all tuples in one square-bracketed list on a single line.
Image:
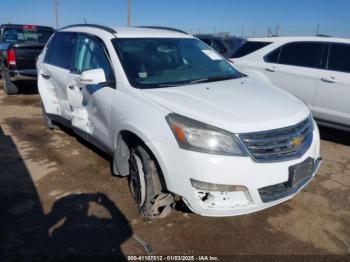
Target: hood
[(240, 105)]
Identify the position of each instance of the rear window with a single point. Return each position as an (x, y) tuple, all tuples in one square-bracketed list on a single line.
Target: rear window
[(248, 48), (26, 34), (339, 58)]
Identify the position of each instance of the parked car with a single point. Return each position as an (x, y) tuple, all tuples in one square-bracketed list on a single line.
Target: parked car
[(19, 47), (315, 69), (224, 44), (178, 119)]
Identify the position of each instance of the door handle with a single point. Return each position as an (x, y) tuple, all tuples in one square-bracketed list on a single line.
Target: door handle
[(45, 76), (71, 87), (330, 79), (270, 69)]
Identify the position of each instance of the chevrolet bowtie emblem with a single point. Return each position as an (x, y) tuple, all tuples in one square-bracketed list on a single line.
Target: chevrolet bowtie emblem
[(296, 141)]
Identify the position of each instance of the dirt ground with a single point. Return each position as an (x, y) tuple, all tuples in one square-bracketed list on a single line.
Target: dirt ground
[(57, 196)]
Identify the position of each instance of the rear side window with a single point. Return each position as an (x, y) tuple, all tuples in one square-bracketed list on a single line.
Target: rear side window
[(61, 50), (339, 58), (249, 47), (303, 54)]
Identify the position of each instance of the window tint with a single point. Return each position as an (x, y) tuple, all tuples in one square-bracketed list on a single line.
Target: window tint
[(61, 50), (249, 47), (92, 55), (273, 57), (339, 58), (302, 54)]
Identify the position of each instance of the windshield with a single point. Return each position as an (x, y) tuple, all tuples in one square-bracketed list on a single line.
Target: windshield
[(27, 34), (164, 62)]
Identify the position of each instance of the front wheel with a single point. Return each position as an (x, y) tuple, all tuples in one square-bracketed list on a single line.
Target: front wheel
[(145, 185)]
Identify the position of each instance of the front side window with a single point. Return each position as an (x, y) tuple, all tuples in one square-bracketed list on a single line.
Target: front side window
[(163, 62), (26, 34), (273, 57), (339, 58), (91, 54), (249, 47), (61, 50), (303, 54)]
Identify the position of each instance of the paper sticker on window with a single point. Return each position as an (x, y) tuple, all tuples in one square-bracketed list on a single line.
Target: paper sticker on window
[(212, 55), (143, 75)]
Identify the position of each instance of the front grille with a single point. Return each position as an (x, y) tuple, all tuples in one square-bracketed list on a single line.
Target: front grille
[(279, 144)]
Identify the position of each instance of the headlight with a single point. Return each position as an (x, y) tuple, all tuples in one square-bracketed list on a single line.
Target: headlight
[(196, 136)]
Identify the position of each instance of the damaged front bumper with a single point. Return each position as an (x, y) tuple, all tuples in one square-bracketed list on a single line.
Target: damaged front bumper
[(213, 185)]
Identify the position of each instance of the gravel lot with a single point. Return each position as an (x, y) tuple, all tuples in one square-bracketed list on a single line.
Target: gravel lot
[(57, 196)]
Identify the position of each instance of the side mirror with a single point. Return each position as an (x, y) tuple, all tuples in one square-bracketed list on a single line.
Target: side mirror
[(93, 77)]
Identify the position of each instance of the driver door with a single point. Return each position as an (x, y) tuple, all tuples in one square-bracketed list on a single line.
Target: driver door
[(91, 104)]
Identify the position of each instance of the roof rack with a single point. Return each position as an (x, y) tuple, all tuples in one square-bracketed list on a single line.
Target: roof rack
[(164, 28), (102, 27)]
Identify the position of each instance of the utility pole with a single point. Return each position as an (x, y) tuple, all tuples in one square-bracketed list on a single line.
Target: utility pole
[(55, 5), (242, 33), (253, 31), (318, 29), (129, 13)]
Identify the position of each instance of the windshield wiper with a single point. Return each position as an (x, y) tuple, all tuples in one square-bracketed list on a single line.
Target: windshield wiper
[(212, 79), (201, 80), (173, 84)]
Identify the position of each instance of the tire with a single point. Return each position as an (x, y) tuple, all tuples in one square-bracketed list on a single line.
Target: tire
[(47, 120), (145, 185), (9, 87)]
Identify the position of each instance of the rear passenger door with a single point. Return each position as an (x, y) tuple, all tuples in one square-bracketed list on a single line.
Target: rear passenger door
[(332, 101), (295, 67), (55, 70)]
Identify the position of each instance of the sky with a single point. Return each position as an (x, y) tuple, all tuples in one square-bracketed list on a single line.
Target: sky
[(239, 17)]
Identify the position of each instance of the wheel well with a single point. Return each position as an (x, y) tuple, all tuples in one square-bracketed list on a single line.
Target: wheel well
[(124, 142)]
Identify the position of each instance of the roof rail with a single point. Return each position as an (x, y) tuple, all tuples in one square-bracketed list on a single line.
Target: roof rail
[(105, 28), (164, 28)]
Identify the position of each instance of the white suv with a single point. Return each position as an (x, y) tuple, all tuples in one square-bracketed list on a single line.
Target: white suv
[(315, 69), (178, 119)]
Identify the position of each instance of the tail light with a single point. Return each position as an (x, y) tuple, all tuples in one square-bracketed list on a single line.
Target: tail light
[(11, 57)]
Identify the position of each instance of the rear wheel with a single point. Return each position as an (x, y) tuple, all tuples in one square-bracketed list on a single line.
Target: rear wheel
[(145, 185), (9, 87)]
